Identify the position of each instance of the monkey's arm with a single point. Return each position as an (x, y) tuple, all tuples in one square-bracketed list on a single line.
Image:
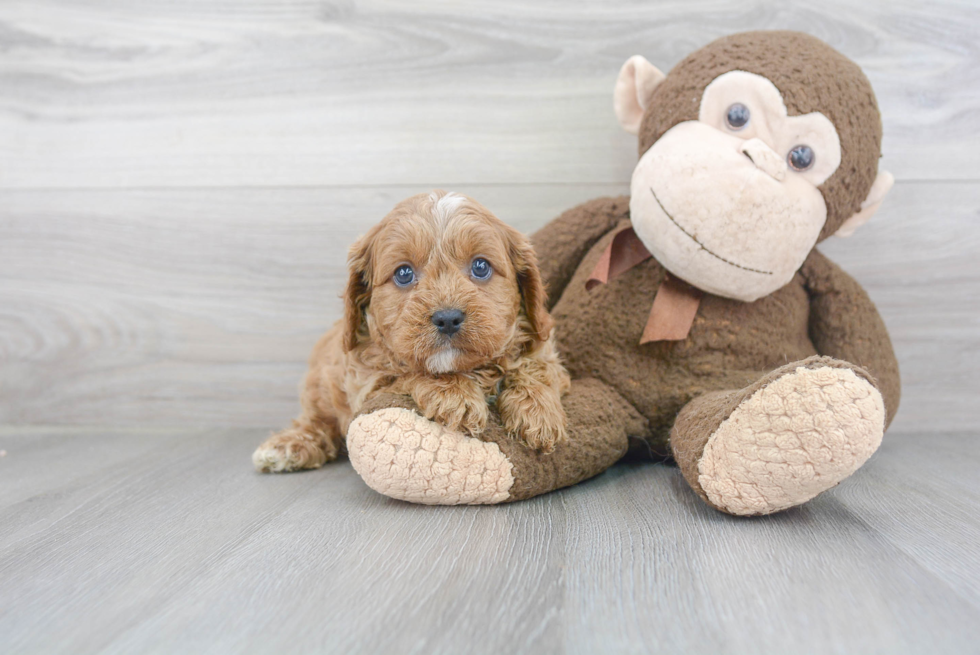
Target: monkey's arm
[(562, 243), (845, 324)]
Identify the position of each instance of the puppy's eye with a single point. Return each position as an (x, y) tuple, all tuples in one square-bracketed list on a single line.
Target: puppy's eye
[(801, 158), (481, 269), (404, 275), (737, 116)]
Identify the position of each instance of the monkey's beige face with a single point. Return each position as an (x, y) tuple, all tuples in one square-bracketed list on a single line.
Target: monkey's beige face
[(730, 202), (445, 294)]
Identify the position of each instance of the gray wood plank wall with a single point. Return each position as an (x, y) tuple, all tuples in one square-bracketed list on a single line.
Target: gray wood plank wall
[(179, 181)]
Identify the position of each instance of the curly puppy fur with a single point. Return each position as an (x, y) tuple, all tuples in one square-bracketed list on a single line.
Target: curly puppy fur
[(387, 341)]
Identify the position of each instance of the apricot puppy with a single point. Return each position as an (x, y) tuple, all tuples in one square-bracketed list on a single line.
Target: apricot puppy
[(444, 303)]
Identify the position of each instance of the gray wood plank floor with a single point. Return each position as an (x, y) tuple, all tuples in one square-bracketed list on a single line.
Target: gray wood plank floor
[(165, 542)]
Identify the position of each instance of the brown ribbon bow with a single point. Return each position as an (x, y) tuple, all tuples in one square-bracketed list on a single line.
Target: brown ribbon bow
[(676, 302)]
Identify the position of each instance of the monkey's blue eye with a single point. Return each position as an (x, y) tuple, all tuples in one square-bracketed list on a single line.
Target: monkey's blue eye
[(801, 158), (737, 116), (404, 275), (481, 269)]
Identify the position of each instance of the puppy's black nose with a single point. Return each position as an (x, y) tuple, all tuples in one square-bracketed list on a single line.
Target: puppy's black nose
[(448, 321)]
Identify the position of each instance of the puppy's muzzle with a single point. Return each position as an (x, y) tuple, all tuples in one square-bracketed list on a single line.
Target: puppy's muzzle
[(448, 321)]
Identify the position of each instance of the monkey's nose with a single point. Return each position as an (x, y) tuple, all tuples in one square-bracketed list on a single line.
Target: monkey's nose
[(764, 158), (448, 321)]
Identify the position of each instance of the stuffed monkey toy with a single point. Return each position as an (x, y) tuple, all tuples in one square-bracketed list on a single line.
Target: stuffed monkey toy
[(695, 316)]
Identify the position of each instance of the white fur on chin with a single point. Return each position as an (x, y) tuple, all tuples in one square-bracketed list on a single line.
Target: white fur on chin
[(443, 361)]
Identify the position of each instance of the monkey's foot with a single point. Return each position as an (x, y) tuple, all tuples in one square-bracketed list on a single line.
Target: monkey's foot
[(404, 455), (795, 437), (401, 454)]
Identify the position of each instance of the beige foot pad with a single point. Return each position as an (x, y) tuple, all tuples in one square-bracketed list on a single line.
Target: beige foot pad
[(796, 437), (405, 456)]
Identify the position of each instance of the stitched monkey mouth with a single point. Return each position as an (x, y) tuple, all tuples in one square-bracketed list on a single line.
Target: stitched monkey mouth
[(701, 245)]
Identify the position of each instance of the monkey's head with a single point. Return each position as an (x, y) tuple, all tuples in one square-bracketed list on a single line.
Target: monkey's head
[(752, 150)]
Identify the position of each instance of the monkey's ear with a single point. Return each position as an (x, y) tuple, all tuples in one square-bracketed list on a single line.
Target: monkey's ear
[(882, 185), (634, 88)]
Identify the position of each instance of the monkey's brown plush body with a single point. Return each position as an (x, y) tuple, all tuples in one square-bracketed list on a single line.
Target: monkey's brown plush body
[(732, 345), (779, 387)]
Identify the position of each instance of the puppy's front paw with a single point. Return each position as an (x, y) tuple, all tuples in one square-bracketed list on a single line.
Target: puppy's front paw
[(533, 415), (293, 450), (457, 408)]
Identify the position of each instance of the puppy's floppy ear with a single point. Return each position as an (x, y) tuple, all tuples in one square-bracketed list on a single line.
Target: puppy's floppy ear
[(357, 295), (533, 293)]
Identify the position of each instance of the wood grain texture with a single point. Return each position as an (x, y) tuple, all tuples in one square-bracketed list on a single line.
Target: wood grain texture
[(178, 185), (185, 307), (261, 93), (179, 182), (161, 542), (200, 307)]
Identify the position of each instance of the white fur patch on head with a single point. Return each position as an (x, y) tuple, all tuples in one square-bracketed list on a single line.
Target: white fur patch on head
[(444, 208), (443, 361)]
